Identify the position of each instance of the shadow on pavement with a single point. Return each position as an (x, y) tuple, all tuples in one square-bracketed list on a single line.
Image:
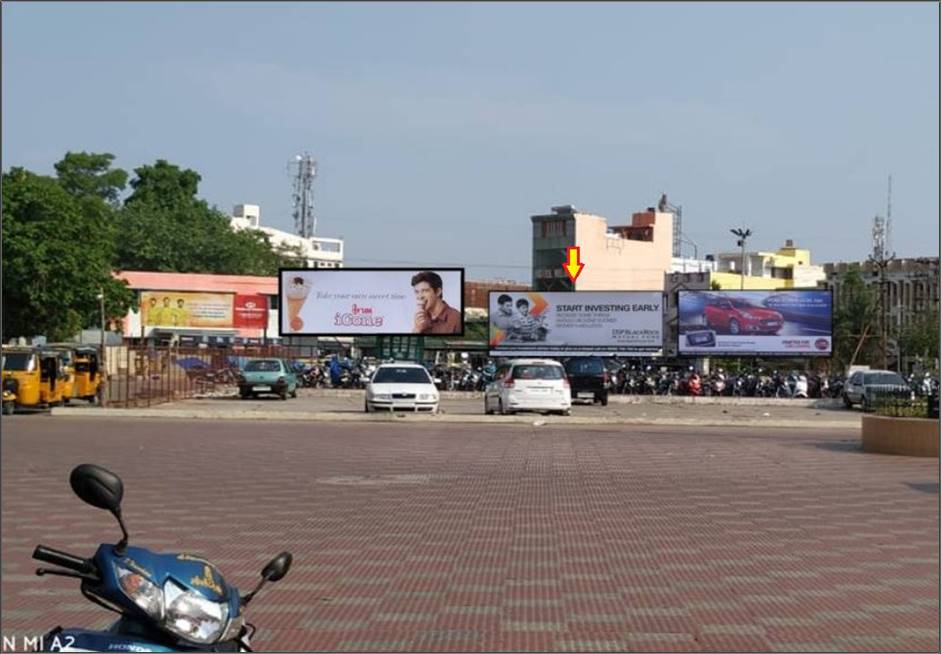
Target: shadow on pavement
[(924, 488), (839, 446)]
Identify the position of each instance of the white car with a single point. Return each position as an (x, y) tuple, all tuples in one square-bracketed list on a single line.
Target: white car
[(401, 386), (529, 385)]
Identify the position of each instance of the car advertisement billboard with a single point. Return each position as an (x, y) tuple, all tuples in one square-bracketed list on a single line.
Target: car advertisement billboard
[(371, 301), (769, 323), (575, 323), (176, 309)]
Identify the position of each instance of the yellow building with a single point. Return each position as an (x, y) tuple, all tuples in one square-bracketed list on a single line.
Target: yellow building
[(788, 267)]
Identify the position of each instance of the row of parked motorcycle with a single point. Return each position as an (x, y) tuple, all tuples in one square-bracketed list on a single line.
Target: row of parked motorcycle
[(622, 378), (646, 380)]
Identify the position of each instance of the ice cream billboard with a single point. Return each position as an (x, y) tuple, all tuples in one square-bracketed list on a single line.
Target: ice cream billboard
[(176, 309), (371, 301), (578, 323), (769, 323)]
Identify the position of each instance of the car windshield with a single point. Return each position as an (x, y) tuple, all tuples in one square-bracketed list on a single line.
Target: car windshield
[(883, 378), (585, 366), (401, 375), (537, 372), (22, 361), (742, 304), (263, 366)]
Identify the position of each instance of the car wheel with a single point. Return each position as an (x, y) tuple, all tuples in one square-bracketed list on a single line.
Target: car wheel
[(734, 327)]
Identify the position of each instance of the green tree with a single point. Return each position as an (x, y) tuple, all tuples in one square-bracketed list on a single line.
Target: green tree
[(855, 321), (56, 259), (85, 174), (919, 338), (164, 226)]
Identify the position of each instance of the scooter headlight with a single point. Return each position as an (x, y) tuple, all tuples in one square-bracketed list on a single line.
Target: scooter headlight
[(192, 616), (141, 591)]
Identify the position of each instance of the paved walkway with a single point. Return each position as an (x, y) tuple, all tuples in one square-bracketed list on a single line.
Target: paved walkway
[(509, 538)]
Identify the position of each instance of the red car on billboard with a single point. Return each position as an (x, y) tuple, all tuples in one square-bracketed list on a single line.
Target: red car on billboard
[(737, 316)]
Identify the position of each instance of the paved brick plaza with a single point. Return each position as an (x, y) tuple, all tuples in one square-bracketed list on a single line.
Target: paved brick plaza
[(467, 537)]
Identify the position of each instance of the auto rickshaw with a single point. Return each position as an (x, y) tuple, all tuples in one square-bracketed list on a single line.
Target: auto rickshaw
[(21, 378), (51, 378), (88, 374), (66, 369)]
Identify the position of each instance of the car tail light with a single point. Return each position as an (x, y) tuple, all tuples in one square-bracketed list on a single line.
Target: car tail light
[(508, 383)]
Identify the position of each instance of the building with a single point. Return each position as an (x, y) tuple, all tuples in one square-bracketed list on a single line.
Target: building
[(228, 308), (911, 289), (787, 267), (477, 294), (316, 252), (623, 257)]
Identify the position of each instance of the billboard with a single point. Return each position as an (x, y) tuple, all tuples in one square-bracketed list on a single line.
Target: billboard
[(176, 309), (250, 311), (767, 323), (371, 301), (576, 323)]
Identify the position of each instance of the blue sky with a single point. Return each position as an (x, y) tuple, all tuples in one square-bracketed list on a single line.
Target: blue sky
[(440, 128)]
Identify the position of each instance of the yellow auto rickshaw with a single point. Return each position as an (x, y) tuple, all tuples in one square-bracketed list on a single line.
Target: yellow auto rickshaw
[(88, 374), (51, 378), (21, 378), (66, 369)]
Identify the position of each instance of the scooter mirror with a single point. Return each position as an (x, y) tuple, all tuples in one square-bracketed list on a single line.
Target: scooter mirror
[(97, 486), (277, 567)]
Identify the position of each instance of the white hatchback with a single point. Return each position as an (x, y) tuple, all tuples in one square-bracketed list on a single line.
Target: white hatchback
[(401, 386), (529, 385)]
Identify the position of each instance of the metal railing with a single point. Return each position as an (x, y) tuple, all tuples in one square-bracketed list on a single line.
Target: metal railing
[(145, 376)]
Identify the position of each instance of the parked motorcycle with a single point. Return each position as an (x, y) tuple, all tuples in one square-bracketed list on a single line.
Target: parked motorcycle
[(168, 602)]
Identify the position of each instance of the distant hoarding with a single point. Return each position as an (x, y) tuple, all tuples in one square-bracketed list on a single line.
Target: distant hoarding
[(250, 311), (175, 309), (371, 301), (576, 323), (766, 323)]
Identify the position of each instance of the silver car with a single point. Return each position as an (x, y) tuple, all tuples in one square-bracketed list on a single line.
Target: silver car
[(866, 386)]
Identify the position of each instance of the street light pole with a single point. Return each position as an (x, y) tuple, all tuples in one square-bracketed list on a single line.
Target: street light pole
[(743, 235), (104, 363)]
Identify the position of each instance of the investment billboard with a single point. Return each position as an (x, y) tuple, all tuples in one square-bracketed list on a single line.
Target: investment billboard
[(766, 323), (371, 301), (576, 323)]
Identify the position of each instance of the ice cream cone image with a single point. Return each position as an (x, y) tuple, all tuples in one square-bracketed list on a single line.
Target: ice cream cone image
[(297, 292)]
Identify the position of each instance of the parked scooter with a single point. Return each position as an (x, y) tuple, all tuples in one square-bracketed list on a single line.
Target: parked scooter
[(168, 602)]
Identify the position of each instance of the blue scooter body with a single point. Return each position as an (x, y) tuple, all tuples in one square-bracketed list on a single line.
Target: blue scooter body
[(137, 631)]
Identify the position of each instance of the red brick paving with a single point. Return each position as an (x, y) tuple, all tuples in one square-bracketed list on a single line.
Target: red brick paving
[(468, 538)]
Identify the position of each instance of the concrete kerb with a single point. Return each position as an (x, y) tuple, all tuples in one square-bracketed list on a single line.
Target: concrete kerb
[(521, 419), (824, 403)]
